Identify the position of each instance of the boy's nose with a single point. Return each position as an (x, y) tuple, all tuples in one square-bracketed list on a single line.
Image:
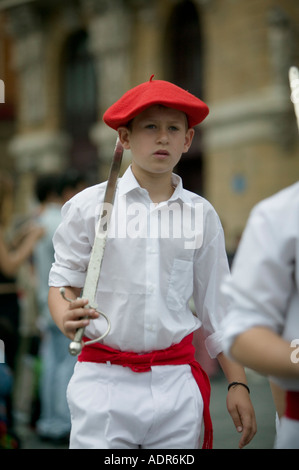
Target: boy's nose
[(163, 136)]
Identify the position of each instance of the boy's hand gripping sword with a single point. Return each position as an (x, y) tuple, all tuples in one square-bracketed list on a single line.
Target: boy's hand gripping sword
[(97, 253)]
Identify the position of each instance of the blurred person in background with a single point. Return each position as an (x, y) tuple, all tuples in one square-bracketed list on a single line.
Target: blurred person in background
[(261, 330), (52, 191), (71, 182), (8, 439), (13, 253)]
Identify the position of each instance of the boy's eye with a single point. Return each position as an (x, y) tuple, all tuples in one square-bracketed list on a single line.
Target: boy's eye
[(153, 126)]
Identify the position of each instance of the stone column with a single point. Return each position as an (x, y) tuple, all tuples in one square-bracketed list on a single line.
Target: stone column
[(35, 148), (25, 26)]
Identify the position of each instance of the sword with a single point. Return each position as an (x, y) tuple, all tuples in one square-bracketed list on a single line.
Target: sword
[(97, 253), (294, 84)]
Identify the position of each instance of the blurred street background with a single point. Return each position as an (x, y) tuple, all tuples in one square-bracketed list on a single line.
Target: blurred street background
[(62, 64)]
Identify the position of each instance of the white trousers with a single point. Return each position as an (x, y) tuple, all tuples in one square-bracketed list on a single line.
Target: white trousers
[(113, 407), (287, 434)]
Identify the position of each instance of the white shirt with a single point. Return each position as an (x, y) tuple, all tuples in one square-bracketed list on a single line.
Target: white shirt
[(146, 282), (264, 286)]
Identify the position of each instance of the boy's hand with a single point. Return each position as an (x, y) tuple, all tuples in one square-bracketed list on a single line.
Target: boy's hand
[(74, 314), (241, 410)]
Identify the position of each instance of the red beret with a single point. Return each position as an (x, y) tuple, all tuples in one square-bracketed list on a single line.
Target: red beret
[(136, 100)]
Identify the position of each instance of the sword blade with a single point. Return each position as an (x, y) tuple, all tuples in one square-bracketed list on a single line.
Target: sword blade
[(97, 252)]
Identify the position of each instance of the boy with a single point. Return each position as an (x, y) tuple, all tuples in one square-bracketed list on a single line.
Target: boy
[(262, 329), (149, 272)]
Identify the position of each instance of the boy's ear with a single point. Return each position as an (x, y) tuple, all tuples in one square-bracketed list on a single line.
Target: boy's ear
[(188, 139), (123, 134)]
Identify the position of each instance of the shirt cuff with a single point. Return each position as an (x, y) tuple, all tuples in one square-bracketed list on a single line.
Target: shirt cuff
[(213, 344), (66, 277), (239, 321)]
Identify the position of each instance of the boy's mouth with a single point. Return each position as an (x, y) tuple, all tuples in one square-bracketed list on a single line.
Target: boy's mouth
[(161, 153)]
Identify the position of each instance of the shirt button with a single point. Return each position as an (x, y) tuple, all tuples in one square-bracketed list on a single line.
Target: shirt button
[(150, 327), (151, 288)]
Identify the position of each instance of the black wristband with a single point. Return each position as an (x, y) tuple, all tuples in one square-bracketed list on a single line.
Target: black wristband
[(232, 384)]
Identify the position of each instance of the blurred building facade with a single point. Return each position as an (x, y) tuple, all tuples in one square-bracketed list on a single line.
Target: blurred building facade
[(64, 63)]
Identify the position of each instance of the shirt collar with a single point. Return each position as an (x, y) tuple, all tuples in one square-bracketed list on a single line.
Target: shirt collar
[(129, 183)]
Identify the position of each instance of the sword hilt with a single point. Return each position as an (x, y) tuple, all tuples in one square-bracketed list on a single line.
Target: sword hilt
[(75, 347)]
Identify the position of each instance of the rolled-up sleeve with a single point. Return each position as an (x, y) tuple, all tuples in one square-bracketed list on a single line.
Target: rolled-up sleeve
[(72, 241)]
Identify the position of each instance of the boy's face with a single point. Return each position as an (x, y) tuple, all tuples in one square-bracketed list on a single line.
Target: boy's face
[(157, 138)]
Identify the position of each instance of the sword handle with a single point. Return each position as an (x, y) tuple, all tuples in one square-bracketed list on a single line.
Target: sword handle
[(75, 347)]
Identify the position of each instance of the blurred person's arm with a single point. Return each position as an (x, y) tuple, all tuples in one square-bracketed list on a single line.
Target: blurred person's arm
[(10, 261), (263, 350)]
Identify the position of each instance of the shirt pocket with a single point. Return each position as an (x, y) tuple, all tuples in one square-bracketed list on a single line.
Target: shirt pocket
[(180, 286)]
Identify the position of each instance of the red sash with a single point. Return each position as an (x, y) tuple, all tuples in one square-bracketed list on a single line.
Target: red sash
[(292, 405), (177, 354)]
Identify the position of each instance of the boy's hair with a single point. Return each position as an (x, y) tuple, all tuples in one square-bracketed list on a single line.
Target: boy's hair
[(70, 179), (46, 185), (54, 184)]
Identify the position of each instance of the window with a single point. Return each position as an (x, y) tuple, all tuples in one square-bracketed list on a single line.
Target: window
[(79, 102)]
